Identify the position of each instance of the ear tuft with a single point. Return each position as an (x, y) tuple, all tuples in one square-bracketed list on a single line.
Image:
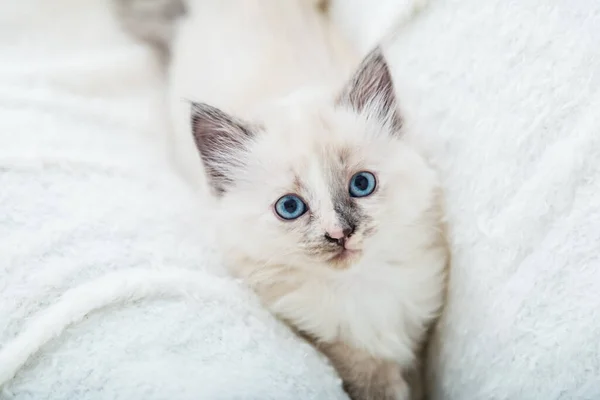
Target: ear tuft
[(222, 141), (371, 90)]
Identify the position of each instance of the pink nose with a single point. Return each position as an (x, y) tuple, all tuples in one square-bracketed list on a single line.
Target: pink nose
[(339, 235), (336, 233)]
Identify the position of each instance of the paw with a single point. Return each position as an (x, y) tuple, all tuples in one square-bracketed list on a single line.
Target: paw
[(384, 383)]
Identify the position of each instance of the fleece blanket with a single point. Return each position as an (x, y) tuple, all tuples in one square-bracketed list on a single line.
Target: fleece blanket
[(108, 285), (505, 97)]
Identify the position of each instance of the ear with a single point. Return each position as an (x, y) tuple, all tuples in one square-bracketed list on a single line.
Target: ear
[(371, 90), (221, 141)]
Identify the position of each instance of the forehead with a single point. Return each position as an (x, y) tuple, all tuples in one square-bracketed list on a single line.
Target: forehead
[(313, 147)]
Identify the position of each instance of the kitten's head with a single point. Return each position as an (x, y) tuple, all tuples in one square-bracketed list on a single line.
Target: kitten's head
[(320, 182)]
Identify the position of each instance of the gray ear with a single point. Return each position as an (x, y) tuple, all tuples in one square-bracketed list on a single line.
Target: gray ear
[(371, 90), (221, 140)]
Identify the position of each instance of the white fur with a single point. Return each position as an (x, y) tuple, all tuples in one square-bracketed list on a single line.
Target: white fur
[(383, 302)]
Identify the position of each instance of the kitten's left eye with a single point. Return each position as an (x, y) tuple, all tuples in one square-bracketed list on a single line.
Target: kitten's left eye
[(362, 184), (290, 207)]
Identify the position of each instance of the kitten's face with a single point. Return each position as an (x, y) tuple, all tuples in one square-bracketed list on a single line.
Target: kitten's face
[(318, 184)]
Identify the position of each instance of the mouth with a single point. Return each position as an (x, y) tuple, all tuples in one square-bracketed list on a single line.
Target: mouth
[(344, 257)]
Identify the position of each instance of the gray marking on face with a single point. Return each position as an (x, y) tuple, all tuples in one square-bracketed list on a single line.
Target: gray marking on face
[(349, 213)]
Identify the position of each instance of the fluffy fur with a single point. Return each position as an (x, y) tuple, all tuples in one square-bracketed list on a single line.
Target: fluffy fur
[(376, 304), (272, 117)]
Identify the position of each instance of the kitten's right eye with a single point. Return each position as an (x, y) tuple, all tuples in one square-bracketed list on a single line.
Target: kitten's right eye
[(362, 184), (290, 207)]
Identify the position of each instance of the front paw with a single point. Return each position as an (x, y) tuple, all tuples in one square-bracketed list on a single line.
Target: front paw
[(367, 377), (385, 382)]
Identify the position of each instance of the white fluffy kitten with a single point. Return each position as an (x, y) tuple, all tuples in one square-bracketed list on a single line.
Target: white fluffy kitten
[(335, 222), (323, 206)]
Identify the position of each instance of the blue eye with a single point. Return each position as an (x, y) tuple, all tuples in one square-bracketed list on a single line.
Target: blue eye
[(290, 207), (362, 184)]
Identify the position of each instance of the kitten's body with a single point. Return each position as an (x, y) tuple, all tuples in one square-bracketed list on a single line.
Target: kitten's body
[(277, 124)]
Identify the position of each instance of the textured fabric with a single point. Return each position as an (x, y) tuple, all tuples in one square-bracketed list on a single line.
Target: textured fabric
[(108, 286), (505, 96)]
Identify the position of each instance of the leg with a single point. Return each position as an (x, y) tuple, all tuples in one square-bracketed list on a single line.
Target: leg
[(365, 377), (414, 377)]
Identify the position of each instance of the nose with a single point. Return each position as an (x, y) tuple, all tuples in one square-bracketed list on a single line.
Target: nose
[(339, 235)]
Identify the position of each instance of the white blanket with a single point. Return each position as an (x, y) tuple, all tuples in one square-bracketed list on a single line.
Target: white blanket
[(505, 96), (108, 287)]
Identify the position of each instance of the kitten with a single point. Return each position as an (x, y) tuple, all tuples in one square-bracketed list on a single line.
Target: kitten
[(324, 207), (335, 221)]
